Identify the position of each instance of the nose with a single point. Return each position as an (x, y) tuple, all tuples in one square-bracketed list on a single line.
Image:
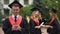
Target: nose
[(15, 9)]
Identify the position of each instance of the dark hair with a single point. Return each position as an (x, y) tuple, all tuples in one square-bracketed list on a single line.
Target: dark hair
[(53, 10)]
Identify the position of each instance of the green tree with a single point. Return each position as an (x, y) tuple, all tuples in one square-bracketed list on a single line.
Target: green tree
[(26, 11), (43, 7)]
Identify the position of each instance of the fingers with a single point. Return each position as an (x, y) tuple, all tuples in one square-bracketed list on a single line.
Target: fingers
[(19, 28), (16, 27), (37, 27), (48, 26)]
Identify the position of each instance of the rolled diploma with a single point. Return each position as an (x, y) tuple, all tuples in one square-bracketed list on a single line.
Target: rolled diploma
[(41, 24)]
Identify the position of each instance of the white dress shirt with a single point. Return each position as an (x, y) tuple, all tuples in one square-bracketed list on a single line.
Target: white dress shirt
[(14, 17)]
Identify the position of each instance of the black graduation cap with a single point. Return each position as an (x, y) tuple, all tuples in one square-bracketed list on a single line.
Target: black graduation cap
[(15, 2), (53, 10), (36, 9)]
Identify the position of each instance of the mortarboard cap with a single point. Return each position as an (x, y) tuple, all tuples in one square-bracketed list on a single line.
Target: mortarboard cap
[(53, 10), (15, 2), (36, 9)]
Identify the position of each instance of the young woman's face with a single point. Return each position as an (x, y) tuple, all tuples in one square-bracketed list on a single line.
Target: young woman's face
[(37, 14), (51, 14)]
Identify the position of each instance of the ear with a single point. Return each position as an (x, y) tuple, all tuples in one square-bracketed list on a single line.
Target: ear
[(20, 12)]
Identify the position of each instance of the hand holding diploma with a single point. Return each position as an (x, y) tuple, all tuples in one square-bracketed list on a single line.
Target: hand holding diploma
[(19, 28), (16, 27), (48, 26), (39, 25)]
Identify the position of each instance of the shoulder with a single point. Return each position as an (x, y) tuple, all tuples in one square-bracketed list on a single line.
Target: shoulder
[(4, 20), (56, 21), (24, 19)]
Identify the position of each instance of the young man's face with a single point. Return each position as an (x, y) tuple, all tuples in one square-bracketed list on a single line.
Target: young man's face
[(15, 9)]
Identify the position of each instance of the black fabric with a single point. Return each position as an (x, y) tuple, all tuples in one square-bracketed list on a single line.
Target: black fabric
[(15, 2), (36, 9), (55, 29), (32, 25), (53, 10), (7, 27)]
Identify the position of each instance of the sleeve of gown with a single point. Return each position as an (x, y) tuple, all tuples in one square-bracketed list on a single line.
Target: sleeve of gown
[(57, 26), (32, 25), (25, 26), (6, 29)]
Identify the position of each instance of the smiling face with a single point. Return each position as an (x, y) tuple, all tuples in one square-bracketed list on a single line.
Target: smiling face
[(51, 14), (15, 9), (37, 14)]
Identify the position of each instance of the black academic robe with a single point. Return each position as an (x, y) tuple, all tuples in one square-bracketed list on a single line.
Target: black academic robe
[(55, 29), (7, 27), (34, 30)]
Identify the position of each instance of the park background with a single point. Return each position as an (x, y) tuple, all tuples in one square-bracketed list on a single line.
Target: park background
[(44, 6)]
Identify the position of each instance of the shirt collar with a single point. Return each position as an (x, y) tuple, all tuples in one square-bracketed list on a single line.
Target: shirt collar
[(14, 16)]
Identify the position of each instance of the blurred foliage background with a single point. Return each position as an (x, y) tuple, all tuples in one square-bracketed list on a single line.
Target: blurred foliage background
[(44, 5)]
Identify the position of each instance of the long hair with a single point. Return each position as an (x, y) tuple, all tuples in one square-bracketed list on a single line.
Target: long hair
[(33, 15), (55, 14)]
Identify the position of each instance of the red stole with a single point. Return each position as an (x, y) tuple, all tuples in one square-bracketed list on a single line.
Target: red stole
[(18, 22), (36, 21), (52, 21)]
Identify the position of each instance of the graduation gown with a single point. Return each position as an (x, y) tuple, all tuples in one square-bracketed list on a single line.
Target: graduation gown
[(34, 30), (7, 27), (55, 29)]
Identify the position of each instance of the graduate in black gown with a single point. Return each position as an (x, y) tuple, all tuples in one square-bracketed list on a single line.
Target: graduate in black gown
[(35, 21), (53, 23), (15, 24)]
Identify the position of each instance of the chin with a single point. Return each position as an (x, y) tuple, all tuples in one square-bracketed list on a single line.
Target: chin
[(15, 14)]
